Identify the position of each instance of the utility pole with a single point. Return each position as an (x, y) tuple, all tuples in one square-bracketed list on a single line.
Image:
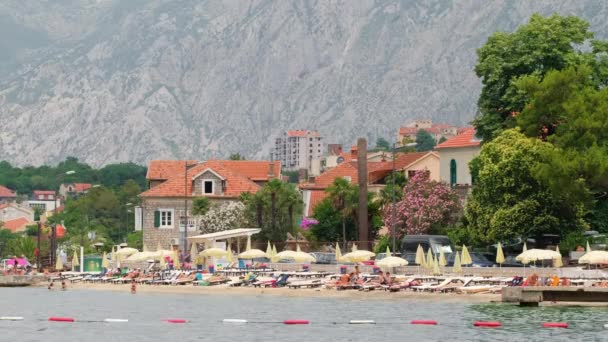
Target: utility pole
[(185, 207), (362, 173), (393, 213), (38, 247)]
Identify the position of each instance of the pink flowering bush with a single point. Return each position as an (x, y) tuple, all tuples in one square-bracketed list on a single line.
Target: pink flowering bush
[(425, 203), (307, 222)]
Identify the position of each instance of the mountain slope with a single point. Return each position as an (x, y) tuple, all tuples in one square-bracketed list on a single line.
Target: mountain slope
[(110, 80)]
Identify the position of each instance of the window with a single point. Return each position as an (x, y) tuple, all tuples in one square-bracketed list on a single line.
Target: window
[(411, 173), (163, 218), (207, 187), (452, 172)]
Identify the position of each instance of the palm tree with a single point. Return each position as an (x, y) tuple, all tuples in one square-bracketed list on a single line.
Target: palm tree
[(343, 196)]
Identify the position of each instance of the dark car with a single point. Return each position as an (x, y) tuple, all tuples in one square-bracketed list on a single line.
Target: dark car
[(479, 260), (324, 258)]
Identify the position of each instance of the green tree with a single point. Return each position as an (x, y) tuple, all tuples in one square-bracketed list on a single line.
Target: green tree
[(6, 236), (200, 206), (292, 175), (542, 45), (382, 144), (508, 201), (424, 141), (442, 139), (236, 156), (273, 208), (344, 199), (332, 224)]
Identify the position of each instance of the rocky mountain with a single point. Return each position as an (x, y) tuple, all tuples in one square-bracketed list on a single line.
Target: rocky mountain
[(115, 80)]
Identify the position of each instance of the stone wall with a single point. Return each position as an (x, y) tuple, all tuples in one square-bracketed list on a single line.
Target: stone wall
[(208, 175)]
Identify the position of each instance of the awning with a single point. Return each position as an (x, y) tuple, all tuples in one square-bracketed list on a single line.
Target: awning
[(227, 234)]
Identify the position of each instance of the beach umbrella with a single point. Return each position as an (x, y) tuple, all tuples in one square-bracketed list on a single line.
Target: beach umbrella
[(104, 261), (286, 254), (429, 259), (391, 261), (113, 253), (457, 266), (358, 255), (436, 270), (525, 247), (465, 259), (274, 257), (59, 264), (500, 256), (588, 249), (557, 262), (537, 254), (252, 253), (338, 253), (419, 256), (213, 252), (594, 257), (126, 252), (442, 261), (269, 250), (162, 264), (75, 261), (297, 256), (229, 255)]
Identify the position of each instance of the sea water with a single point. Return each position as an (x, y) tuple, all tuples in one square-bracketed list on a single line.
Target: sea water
[(329, 317)]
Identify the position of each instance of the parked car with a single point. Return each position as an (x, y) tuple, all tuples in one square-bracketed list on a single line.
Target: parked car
[(437, 243), (324, 258)]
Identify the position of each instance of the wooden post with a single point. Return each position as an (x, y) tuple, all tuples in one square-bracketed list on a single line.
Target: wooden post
[(362, 175)]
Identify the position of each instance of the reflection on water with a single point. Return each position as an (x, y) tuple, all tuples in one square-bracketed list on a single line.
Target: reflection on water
[(327, 315)]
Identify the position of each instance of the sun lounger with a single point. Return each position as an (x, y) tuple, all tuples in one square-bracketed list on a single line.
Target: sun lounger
[(309, 283)]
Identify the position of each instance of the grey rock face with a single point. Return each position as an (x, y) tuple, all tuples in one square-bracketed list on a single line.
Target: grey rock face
[(114, 80)]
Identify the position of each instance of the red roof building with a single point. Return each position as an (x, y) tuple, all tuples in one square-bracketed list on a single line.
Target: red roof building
[(465, 139), (17, 225), (7, 194), (44, 195), (455, 155)]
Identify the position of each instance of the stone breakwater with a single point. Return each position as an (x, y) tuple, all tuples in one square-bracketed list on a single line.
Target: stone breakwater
[(20, 281)]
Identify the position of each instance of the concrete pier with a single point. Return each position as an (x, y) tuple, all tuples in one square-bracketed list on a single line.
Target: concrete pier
[(534, 295), (20, 281)]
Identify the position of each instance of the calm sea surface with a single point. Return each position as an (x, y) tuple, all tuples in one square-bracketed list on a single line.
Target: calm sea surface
[(145, 313)]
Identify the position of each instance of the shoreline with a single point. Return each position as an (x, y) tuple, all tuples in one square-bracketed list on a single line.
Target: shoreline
[(290, 293)]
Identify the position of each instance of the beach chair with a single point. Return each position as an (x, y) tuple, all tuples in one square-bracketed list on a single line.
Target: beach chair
[(306, 283)]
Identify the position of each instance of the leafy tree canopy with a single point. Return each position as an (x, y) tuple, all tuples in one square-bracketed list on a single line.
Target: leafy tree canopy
[(424, 141)]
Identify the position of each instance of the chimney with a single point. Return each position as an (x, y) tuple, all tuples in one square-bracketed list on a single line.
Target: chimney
[(353, 153), (271, 174)]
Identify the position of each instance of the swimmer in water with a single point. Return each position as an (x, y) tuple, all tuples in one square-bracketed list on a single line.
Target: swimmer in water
[(63, 285), (133, 287), (51, 286)]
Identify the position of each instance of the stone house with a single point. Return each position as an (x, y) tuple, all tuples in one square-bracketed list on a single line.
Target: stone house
[(455, 154), (172, 185), (74, 189), (11, 211)]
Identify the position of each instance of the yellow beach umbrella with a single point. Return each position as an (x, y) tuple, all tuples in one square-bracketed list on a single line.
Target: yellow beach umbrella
[(338, 253), (104, 261), (466, 257), (525, 247), (388, 252), (269, 250), (162, 262), (229, 255), (114, 253), (537, 254), (436, 270), (213, 252), (500, 256), (391, 261), (594, 257), (429, 259), (274, 257), (457, 266), (75, 261), (252, 253), (274, 250), (176, 263), (588, 249), (442, 261), (557, 262), (419, 256), (358, 255), (59, 264)]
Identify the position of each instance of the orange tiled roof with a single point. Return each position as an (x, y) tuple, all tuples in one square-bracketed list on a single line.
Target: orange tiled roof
[(6, 192), (302, 133), (163, 169), (44, 192), (465, 139), (16, 225), (316, 197), (324, 180), (82, 187), (239, 176), (256, 170)]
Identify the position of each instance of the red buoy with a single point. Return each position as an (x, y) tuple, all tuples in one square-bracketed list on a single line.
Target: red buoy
[(487, 324), (555, 325), (295, 321), (176, 320), (424, 321), (61, 319)]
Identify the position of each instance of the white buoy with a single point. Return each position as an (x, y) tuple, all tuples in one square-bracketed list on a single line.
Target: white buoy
[(115, 320), (605, 326), (363, 321), (230, 320), (9, 318)]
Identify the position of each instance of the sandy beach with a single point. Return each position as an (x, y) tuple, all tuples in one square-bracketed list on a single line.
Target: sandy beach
[(285, 292)]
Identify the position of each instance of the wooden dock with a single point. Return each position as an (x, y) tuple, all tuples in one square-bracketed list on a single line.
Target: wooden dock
[(534, 295)]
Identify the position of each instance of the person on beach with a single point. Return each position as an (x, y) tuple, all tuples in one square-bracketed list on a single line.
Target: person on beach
[(63, 285), (381, 280), (388, 279), (133, 287), (357, 272), (187, 260)]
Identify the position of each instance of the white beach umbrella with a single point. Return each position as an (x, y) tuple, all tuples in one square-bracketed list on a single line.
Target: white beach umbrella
[(457, 266), (594, 257), (252, 253), (214, 252), (537, 254), (127, 251)]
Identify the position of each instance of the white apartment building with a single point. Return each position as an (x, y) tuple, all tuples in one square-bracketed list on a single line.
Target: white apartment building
[(296, 149)]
